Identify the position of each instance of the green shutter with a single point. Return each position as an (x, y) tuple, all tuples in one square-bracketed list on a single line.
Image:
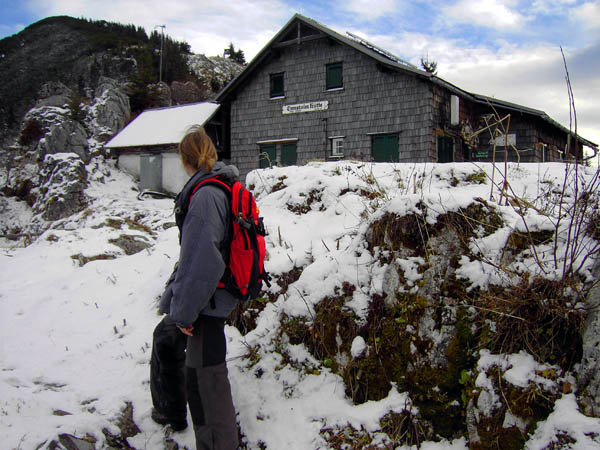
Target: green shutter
[(267, 156), (335, 76), (385, 148), (288, 154), (445, 149)]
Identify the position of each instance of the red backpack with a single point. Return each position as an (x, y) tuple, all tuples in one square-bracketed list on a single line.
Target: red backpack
[(245, 272)]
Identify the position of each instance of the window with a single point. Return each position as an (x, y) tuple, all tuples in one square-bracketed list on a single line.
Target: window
[(384, 147), (276, 84), (289, 155), (273, 153), (337, 146), (445, 147), (335, 76), (267, 156)]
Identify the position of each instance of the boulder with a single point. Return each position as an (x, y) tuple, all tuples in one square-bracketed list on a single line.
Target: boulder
[(63, 179)]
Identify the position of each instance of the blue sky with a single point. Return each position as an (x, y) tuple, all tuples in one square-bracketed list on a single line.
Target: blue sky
[(509, 49)]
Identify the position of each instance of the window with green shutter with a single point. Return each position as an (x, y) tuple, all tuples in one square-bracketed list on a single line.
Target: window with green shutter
[(289, 156), (276, 85), (384, 147), (445, 149), (335, 76), (267, 156)]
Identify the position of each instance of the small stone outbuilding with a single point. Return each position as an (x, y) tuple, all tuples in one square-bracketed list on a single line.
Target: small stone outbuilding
[(147, 146)]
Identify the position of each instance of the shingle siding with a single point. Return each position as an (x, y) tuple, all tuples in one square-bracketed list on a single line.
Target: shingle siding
[(371, 101), (379, 96)]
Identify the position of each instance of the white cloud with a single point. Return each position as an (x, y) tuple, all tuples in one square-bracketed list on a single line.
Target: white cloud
[(486, 13), (208, 26), (370, 9), (529, 74), (588, 14), (532, 76), (551, 6)]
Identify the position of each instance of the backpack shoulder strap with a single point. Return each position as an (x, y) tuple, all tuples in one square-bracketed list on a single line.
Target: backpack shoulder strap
[(217, 181)]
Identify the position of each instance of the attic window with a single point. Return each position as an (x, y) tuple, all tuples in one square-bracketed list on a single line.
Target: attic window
[(276, 85), (335, 76)]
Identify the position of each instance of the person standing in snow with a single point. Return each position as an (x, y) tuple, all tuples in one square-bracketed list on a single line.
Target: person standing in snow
[(189, 346)]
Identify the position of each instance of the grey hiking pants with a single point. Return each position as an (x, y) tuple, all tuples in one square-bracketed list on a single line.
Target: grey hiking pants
[(207, 387)]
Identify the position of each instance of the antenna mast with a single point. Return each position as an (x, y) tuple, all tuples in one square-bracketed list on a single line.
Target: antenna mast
[(162, 38)]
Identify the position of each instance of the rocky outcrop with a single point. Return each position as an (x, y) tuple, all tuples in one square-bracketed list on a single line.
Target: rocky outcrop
[(63, 180), (188, 92), (54, 93), (588, 379), (67, 136), (109, 111), (62, 134), (58, 50), (215, 71)]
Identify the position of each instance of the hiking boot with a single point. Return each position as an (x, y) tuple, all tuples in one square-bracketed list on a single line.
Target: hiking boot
[(176, 425)]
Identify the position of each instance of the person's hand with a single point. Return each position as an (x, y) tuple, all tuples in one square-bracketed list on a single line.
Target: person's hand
[(187, 331)]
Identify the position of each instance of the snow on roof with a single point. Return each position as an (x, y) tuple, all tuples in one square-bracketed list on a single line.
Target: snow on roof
[(162, 126)]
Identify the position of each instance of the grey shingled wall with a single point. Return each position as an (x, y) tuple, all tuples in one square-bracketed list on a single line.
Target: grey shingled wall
[(372, 101)]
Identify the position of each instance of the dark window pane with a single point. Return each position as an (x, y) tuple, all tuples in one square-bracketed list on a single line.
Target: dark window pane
[(335, 76), (277, 89)]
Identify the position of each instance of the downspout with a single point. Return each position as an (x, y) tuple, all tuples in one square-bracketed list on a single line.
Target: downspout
[(326, 132)]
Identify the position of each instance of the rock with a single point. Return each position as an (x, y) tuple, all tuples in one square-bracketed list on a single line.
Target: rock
[(588, 377), (131, 244), (109, 112), (90, 71), (163, 95), (63, 180), (54, 93), (62, 134), (187, 92), (22, 173), (67, 137)]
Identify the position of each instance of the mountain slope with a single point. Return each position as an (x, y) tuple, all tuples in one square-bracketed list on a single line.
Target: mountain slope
[(79, 309)]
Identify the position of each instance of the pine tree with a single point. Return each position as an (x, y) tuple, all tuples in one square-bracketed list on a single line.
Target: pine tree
[(237, 56)]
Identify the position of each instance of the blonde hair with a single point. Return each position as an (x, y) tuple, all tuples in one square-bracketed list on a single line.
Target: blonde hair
[(197, 150)]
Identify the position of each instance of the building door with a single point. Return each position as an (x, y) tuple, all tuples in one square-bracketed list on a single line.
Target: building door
[(384, 148), (445, 149), (267, 155), (289, 156)]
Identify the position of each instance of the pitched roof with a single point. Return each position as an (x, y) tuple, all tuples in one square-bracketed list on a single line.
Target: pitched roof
[(162, 126), (385, 58), (368, 49)]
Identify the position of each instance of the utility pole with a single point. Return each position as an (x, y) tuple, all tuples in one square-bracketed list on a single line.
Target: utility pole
[(162, 38)]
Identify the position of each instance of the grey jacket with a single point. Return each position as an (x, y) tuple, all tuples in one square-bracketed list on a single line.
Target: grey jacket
[(201, 262)]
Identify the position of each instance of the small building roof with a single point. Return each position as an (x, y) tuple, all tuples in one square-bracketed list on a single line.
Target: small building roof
[(162, 126)]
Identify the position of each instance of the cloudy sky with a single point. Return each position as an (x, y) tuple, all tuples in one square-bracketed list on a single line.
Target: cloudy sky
[(508, 49)]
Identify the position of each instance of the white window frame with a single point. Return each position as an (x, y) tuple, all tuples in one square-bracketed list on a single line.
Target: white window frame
[(337, 146)]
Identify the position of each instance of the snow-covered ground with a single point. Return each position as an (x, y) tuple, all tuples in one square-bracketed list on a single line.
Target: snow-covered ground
[(75, 339)]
